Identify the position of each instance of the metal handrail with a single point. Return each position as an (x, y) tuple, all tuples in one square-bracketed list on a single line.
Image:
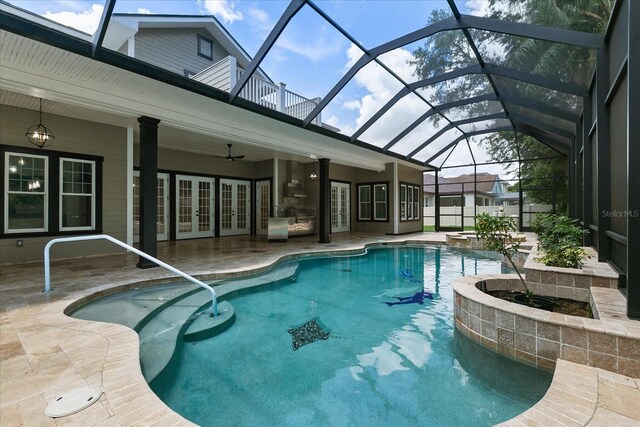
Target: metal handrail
[(47, 266)]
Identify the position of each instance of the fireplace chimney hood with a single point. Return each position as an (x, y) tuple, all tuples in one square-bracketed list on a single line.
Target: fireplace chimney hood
[(292, 187)]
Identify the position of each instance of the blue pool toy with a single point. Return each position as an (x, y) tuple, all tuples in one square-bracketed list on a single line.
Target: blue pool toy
[(417, 298), (406, 273)]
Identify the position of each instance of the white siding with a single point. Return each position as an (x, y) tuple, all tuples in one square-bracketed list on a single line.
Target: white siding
[(218, 75), (175, 49)]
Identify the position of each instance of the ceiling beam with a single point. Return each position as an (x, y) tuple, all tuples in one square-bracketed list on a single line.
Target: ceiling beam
[(101, 31)]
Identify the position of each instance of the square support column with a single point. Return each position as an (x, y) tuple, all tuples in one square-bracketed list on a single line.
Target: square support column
[(587, 170), (633, 155), (148, 189), (324, 204), (604, 154)]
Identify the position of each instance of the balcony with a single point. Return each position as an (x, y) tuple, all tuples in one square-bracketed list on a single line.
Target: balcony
[(225, 73)]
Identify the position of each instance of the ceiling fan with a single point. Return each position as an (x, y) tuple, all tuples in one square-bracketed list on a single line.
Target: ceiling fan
[(229, 157)]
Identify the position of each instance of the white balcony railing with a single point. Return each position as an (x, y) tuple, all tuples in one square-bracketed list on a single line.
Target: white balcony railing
[(225, 73)]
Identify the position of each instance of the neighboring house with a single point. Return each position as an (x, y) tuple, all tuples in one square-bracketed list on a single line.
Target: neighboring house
[(200, 48), (459, 190)]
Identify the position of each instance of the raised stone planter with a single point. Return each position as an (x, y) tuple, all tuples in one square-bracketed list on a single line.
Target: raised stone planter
[(570, 283), (538, 337)]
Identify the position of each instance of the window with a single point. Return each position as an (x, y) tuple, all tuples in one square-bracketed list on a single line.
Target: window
[(364, 203), (372, 202), (50, 192), (26, 202), (409, 202), (77, 194), (205, 47), (380, 202)]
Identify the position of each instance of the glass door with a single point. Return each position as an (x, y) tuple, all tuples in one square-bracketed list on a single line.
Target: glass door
[(340, 207), (235, 197), (163, 206), (194, 207), (263, 202)]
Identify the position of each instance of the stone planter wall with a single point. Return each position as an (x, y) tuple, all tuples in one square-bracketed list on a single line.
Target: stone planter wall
[(538, 337), (571, 283)]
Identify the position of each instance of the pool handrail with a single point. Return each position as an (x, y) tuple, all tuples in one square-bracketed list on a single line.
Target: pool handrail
[(47, 263)]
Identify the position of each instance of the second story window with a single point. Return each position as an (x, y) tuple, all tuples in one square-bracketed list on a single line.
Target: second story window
[(205, 47)]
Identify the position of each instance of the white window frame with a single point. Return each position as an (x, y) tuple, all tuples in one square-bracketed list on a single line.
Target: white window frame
[(92, 195), (375, 202), (361, 203), (45, 192), (416, 202)]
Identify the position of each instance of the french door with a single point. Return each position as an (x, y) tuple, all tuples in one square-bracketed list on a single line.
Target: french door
[(235, 211), (194, 207), (263, 203), (340, 207), (162, 223)]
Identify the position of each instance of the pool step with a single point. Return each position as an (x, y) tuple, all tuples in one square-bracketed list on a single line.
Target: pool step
[(159, 335), (134, 308)]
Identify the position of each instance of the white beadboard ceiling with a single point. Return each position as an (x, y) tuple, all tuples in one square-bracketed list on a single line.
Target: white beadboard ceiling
[(79, 87)]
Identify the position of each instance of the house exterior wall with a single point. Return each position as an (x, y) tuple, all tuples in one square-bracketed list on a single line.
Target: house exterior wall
[(175, 49), (72, 136)]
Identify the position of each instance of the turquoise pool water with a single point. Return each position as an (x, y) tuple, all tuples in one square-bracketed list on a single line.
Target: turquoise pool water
[(399, 365)]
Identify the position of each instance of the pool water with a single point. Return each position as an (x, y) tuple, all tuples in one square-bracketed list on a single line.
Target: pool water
[(387, 365)]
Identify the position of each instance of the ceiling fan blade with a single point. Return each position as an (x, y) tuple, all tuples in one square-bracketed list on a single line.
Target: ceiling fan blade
[(237, 157)]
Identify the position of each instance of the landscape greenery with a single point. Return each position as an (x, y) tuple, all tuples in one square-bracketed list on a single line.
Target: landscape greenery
[(561, 240), (544, 180)]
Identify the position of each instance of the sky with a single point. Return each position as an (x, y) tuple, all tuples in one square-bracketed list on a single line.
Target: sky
[(310, 56)]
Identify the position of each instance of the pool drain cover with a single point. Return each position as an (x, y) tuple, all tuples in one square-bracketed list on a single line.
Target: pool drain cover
[(72, 401), (307, 333)]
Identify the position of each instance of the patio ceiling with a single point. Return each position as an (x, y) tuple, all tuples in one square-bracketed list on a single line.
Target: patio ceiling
[(543, 105)]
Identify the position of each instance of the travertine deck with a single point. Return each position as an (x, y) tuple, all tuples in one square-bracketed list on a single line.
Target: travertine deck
[(43, 352)]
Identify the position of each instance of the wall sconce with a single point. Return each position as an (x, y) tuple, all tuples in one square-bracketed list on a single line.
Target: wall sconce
[(313, 175), (39, 135)]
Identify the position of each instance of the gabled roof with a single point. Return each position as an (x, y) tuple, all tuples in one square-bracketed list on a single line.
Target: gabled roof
[(124, 25), (454, 185)]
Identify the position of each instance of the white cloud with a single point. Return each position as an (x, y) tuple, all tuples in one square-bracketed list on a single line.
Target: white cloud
[(223, 9), (317, 50), (144, 11), (352, 105), (86, 21)]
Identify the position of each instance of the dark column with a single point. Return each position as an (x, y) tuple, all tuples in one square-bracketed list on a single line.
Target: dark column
[(587, 169), (633, 156), (520, 197), (325, 201), (572, 180), (437, 207), (603, 160), (578, 171), (148, 189)]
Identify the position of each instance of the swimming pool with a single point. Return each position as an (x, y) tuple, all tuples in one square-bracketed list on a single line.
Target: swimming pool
[(392, 364)]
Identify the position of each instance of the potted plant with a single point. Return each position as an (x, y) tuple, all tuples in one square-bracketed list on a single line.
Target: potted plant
[(496, 233)]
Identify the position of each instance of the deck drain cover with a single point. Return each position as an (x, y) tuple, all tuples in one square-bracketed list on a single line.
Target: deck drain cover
[(72, 401)]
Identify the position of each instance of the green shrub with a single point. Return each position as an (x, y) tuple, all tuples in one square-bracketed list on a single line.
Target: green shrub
[(495, 231), (561, 240)]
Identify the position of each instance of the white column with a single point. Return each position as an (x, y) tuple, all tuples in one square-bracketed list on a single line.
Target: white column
[(130, 186), (233, 72), (281, 99), (396, 199), (131, 47), (276, 188)]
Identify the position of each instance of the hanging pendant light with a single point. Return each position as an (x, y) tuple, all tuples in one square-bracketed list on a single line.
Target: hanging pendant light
[(39, 135)]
